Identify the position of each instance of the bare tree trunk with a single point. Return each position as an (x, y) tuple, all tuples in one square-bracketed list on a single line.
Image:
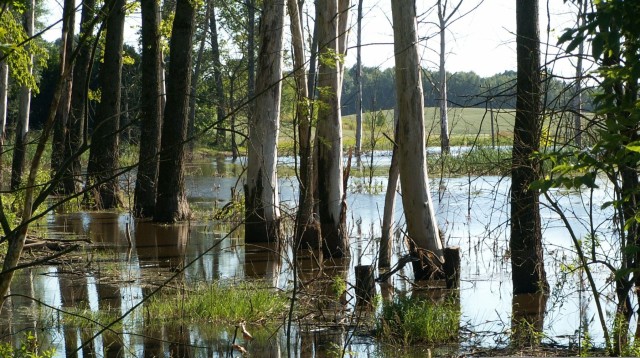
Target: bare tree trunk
[(527, 262), (4, 90), (262, 203), (62, 114), (103, 156), (251, 58), (359, 84), (22, 127), (329, 132), (150, 111), (343, 36), (217, 78), (577, 99), (442, 86), (78, 108), (196, 77), (422, 228), (384, 257), (306, 231), (171, 199)]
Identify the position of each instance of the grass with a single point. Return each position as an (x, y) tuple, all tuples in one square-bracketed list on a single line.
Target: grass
[(221, 302), (29, 348), (409, 320)]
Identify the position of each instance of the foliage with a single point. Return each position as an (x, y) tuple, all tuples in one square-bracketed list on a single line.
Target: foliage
[(12, 44), (28, 349), (412, 320)]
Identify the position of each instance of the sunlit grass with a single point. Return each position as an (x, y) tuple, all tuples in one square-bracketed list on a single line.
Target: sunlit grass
[(221, 302), (412, 320)]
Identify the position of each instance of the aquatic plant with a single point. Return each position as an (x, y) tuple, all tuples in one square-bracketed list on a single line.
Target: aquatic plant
[(410, 320), (223, 301), (29, 348)]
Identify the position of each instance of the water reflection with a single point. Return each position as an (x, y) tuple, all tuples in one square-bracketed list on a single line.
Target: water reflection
[(472, 210), (527, 320)]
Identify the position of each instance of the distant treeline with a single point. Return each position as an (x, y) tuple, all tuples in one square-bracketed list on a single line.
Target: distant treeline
[(465, 89)]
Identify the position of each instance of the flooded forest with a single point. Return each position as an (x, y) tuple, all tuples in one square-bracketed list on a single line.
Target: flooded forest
[(184, 178)]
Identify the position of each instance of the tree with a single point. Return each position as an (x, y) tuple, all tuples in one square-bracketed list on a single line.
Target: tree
[(358, 80), (262, 205), (75, 135), (217, 78), (306, 228), (103, 155), (527, 264), (62, 113), (22, 126), (150, 111), (4, 90), (422, 228), (577, 99), (171, 199), (329, 132)]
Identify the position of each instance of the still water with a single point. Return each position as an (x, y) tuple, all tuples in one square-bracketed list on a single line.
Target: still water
[(472, 211)]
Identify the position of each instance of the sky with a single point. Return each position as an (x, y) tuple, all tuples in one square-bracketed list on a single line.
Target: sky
[(483, 41)]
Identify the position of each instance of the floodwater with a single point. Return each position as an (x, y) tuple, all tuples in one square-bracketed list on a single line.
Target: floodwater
[(472, 211)]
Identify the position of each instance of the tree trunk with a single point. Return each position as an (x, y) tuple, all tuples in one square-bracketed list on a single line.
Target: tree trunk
[(418, 207), (329, 132), (195, 77), (577, 99), (62, 114), (306, 230), (251, 58), (384, 256), (171, 199), (262, 203), (150, 111), (527, 262), (217, 78), (4, 90), (22, 127), (76, 123), (359, 84), (442, 88), (343, 32), (103, 156)]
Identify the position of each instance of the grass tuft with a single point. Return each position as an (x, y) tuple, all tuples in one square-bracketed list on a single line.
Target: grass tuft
[(230, 303), (410, 320)]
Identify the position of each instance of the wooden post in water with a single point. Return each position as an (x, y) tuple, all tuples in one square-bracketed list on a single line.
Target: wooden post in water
[(365, 287), (451, 266)]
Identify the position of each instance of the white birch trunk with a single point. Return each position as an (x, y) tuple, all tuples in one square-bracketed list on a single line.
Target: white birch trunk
[(416, 198), (359, 84), (444, 116), (4, 90), (329, 131), (263, 212)]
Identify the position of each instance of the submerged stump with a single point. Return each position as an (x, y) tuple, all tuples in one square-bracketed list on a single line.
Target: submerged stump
[(365, 286)]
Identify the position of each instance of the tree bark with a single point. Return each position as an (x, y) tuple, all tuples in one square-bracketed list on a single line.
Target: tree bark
[(103, 156), (62, 114), (22, 127), (262, 203), (76, 124), (442, 88), (306, 229), (358, 80), (4, 90), (217, 78), (150, 111), (527, 262), (422, 228), (577, 99), (329, 132), (384, 256), (196, 77), (171, 199)]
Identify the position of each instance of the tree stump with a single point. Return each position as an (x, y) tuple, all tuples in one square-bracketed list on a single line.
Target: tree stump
[(365, 286), (451, 266)]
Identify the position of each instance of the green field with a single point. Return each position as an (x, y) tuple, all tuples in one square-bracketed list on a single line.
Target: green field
[(465, 125)]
